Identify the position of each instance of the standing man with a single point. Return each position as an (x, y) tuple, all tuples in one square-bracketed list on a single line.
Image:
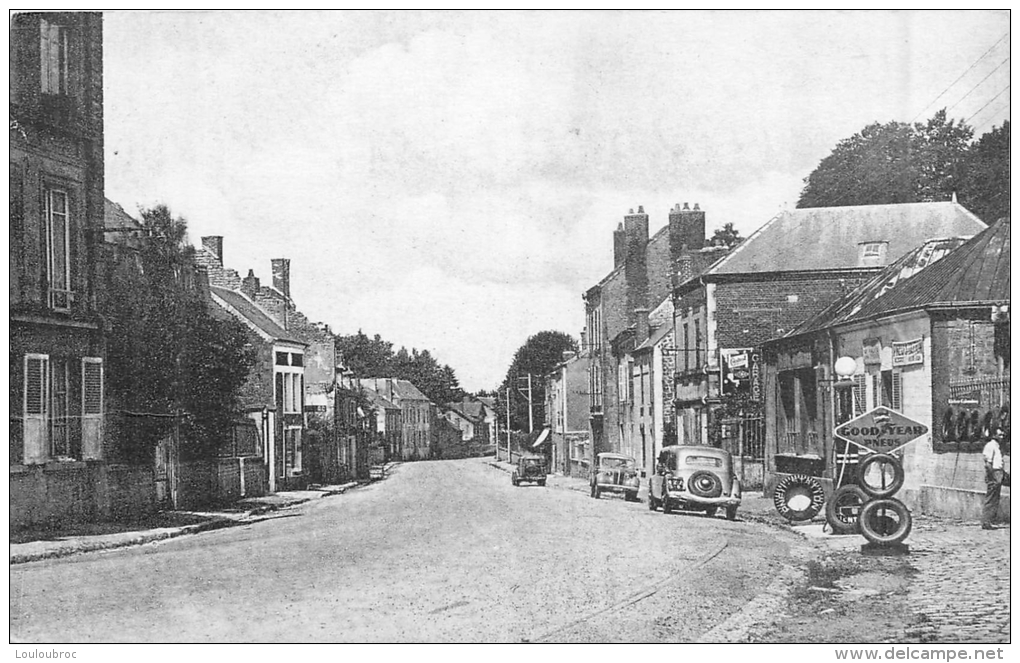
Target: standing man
[(993, 480)]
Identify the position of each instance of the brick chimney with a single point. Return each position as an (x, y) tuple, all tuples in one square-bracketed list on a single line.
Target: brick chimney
[(214, 245), (619, 246), (635, 227), (250, 285), (686, 229), (641, 320), (281, 275)]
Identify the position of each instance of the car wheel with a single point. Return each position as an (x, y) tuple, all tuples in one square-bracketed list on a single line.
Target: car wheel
[(513, 479), (878, 482), (885, 521), (704, 484), (711, 511), (631, 496), (844, 508), (731, 513), (592, 490)]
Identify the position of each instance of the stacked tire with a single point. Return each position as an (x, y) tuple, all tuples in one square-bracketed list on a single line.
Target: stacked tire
[(883, 519)]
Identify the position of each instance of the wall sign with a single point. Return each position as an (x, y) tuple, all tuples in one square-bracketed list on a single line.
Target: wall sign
[(908, 352), (881, 430), (872, 350), (755, 376)]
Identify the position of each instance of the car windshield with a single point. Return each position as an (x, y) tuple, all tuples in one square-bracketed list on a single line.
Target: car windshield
[(618, 463), (705, 461), (533, 462)]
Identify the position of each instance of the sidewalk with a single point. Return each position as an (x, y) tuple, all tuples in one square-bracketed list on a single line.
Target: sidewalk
[(35, 545)]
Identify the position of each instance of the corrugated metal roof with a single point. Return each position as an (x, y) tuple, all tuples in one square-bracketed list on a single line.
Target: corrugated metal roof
[(889, 278), (824, 238), (976, 272), (255, 315)]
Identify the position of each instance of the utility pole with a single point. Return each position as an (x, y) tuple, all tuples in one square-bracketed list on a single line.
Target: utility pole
[(508, 425), (531, 414)]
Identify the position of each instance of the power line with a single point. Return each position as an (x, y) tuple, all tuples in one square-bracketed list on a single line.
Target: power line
[(974, 64), (979, 83), (988, 102)]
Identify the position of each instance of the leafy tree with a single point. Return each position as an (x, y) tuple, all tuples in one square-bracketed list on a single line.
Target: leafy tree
[(166, 352), (537, 357), (375, 358), (902, 163), (985, 186), (727, 235)]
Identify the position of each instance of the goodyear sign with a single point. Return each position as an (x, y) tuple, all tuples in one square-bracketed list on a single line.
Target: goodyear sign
[(881, 430)]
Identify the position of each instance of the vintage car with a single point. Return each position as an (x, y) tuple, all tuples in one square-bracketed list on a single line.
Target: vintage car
[(615, 473), (531, 468), (695, 478)]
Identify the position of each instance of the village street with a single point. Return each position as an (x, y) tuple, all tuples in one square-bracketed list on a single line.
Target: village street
[(443, 551)]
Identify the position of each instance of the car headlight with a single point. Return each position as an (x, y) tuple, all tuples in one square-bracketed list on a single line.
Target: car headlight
[(675, 483)]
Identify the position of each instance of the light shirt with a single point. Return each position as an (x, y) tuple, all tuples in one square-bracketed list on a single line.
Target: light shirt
[(992, 454)]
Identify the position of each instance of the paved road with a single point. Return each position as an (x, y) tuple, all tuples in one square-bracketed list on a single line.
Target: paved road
[(439, 552)]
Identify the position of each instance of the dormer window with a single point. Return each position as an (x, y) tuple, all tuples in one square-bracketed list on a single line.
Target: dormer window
[(53, 51), (871, 254)]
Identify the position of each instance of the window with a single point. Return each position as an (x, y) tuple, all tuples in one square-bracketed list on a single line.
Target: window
[(58, 248), (53, 426), (292, 387), (281, 359), (623, 381), (872, 250), (697, 344), (892, 390), (53, 56), (297, 360)]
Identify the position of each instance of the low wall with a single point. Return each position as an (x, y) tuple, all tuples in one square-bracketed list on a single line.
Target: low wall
[(955, 503), (55, 494)]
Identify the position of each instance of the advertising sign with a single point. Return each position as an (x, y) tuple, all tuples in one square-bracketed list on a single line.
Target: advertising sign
[(756, 376), (881, 430), (872, 350), (908, 352)]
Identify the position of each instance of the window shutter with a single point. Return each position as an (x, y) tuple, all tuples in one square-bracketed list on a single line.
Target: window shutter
[(876, 389), (897, 391), (860, 395), (91, 407), (36, 408)]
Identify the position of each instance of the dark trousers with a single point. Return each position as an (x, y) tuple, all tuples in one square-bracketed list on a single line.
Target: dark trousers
[(993, 491)]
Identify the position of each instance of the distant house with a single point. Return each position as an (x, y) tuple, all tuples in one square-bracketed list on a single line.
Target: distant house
[(790, 269), (415, 414), (566, 408), (388, 428), (929, 336)]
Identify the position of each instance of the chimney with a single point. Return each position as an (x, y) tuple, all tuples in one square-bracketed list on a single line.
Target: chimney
[(686, 229), (214, 245), (281, 275), (636, 264), (250, 285), (641, 320), (619, 246)]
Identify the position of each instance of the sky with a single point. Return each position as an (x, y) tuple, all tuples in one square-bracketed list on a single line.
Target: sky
[(451, 180)]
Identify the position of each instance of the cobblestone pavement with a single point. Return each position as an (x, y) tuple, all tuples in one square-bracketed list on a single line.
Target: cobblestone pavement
[(961, 591)]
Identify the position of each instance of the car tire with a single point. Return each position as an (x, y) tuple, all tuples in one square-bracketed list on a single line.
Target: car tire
[(878, 528), (592, 491), (845, 497), (879, 459), (513, 479), (704, 484), (795, 485), (631, 496), (711, 511), (949, 426), (731, 513)]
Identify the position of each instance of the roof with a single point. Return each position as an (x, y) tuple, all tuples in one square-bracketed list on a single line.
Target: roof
[(653, 339), (470, 409), (891, 277), (378, 399), (254, 315), (977, 273), (826, 238), (406, 389), (114, 216)]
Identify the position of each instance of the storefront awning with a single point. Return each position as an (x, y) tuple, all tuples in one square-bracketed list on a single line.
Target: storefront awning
[(542, 438)]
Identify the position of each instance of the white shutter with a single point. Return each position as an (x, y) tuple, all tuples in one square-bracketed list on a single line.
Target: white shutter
[(860, 395), (876, 389), (897, 391), (36, 408), (91, 408)]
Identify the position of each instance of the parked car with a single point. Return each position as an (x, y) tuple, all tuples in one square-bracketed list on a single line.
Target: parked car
[(695, 478), (531, 468), (615, 473)]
